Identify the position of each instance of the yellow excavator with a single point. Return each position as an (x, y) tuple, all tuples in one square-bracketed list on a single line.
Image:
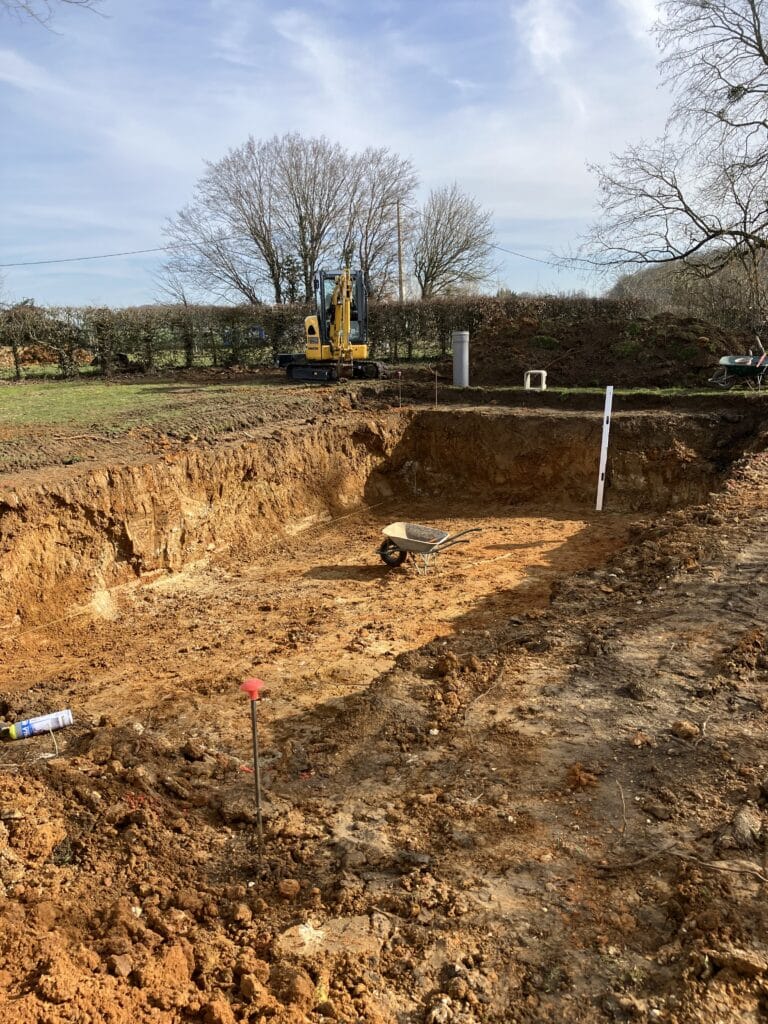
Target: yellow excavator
[(336, 336)]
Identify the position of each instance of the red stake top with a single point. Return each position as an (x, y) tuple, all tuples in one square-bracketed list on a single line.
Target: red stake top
[(253, 687)]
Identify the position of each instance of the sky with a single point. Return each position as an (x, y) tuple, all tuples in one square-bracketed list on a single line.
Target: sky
[(107, 119)]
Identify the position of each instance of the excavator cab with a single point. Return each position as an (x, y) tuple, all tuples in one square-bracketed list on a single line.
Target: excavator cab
[(330, 294)]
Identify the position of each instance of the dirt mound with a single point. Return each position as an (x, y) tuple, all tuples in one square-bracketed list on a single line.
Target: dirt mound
[(588, 346), (40, 355), (115, 902), (31, 354)]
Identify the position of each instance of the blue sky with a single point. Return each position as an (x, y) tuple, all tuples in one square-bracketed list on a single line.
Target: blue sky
[(106, 120)]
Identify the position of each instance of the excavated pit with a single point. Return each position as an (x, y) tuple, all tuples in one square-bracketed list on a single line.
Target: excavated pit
[(445, 757), (83, 534)]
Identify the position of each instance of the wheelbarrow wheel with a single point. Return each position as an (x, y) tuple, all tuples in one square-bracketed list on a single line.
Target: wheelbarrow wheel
[(391, 554)]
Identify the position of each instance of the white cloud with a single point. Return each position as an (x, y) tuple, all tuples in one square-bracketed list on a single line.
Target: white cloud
[(111, 125), (22, 74), (641, 16), (320, 59), (236, 39), (546, 28), (406, 54), (549, 31)]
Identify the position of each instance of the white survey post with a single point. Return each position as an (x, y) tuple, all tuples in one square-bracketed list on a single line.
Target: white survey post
[(604, 447)]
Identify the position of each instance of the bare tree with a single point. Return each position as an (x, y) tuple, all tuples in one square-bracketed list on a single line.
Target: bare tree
[(172, 288), (715, 58), (206, 253), (241, 192), (315, 179), (452, 243), (683, 288), (698, 194), (234, 235), (384, 185), (271, 211), (41, 10)]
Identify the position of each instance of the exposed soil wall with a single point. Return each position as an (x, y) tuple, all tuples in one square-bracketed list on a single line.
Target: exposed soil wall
[(657, 461), (82, 533), (85, 532)]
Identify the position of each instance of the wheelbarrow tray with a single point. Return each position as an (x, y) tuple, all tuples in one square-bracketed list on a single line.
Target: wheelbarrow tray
[(741, 371), (745, 366), (415, 538)]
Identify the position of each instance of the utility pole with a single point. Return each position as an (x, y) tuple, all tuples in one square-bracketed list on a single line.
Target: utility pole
[(399, 255)]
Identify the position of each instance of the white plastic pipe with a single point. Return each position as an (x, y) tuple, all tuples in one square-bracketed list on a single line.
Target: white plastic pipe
[(460, 341), (604, 447)]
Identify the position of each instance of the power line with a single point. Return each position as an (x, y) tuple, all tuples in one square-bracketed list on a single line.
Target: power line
[(111, 255), (522, 256), (223, 238), (501, 248), (183, 245), (80, 259)]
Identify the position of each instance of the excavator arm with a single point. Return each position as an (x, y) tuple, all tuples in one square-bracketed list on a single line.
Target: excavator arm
[(340, 318)]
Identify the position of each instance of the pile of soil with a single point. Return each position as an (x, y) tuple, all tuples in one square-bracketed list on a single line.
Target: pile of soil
[(40, 355), (591, 346)]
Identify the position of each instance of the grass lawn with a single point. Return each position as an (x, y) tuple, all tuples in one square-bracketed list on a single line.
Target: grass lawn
[(120, 406)]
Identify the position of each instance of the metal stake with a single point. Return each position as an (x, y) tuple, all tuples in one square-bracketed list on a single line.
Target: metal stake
[(253, 688)]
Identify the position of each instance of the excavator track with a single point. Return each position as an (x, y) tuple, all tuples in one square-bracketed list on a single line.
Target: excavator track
[(312, 371), (368, 369)]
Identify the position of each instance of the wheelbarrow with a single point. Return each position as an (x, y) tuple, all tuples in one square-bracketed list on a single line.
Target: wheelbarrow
[(421, 542), (741, 371)]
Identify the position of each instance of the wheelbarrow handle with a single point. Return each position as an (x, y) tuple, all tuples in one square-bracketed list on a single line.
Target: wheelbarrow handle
[(446, 544), (450, 540)]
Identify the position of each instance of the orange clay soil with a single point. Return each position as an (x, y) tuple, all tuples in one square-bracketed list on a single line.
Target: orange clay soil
[(529, 786)]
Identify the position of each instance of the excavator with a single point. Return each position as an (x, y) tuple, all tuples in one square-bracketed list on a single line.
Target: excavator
[(336, 336)]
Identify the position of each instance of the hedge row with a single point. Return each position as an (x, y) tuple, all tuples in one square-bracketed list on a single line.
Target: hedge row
[(148, 337), (158, 337)]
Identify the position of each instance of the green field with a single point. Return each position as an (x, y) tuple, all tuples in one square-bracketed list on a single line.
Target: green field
[(94, 402)]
